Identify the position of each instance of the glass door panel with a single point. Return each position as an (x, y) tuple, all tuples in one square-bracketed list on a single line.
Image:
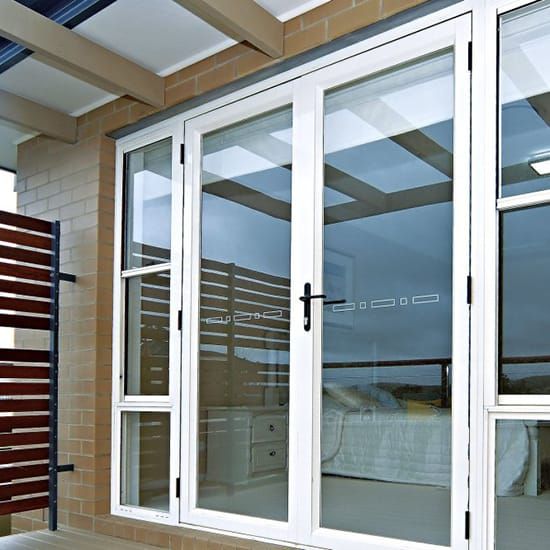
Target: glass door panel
[(387, 347), (244, 317)]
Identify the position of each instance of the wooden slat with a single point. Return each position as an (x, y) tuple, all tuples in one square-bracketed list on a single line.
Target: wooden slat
[(213, 277), (27, 289), (27, 256), (261, 298), (23, 371), (23, 505), (8, 423), (23, 455), (156, 307), (24, 405), (261, 344), (25, 222), (24, 305), (25, 239), (252, 331), (24, 388), (26, 488), (25, 355), (24, 438), (24, 321), (25, 272), (157, 293), (22, 472)]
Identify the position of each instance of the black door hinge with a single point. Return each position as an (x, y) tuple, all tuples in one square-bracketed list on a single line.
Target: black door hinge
[(467, 525), (470, 55), (182, 153), (469, 290), (179, 319), (178, 487)]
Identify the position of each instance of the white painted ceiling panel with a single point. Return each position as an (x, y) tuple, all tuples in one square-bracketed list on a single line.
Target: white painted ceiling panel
[(158, 34), (287, 9), (50, 87)]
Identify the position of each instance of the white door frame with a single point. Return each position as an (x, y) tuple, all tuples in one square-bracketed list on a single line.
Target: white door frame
[(454, 33), (306, 95)]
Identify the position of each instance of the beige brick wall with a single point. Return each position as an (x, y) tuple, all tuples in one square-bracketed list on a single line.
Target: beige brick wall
[(75, 184)]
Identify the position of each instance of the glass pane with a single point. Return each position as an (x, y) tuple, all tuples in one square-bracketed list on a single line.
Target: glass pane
[(525, 302), (522, 485), (146, 460), (525, 99), (147, 334), (245, 300), (148, 189), (388, 217)]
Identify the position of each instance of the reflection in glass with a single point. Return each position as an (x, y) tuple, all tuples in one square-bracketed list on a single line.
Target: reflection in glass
[(148, 188), (388, 216), (525, 97), (522, 486), (525, 302), (244, 335), (147, 334), (146, 460)]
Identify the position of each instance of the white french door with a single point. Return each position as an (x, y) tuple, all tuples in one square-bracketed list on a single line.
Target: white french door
[(326, 324)]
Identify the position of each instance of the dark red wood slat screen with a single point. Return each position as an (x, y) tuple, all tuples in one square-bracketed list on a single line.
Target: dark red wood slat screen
[(23, 434), (22, 472)]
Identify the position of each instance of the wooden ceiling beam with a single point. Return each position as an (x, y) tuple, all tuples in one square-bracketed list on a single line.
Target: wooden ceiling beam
[(36, 117), (71, 53), (241, 20)]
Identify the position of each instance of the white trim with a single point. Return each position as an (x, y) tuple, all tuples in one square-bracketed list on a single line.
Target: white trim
[(525, 200), (148, 270)]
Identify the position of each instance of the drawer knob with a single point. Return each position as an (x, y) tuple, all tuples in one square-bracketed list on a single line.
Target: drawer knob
[(272, 453), (271, 428)]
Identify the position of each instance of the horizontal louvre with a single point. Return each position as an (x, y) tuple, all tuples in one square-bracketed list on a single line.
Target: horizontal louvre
[(24, 305), (25, 222), (23, 371), (24, 405), (9, 423), (24, 388), (25, 272), (24, 438), (24, 455), (25, 239), (23, 505), (25, 355), (24, 321), (23, 472), (25, 488), (28, 289), (27, 256)]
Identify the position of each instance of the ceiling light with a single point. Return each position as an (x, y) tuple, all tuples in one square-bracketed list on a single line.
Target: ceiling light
[(541, 166)]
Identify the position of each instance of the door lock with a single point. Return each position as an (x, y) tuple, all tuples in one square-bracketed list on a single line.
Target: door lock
[(307, 297)]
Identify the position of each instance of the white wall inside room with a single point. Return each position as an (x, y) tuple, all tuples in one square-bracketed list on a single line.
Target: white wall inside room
[(7, 202)]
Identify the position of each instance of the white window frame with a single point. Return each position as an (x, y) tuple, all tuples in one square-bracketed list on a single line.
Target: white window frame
[(132, 403)]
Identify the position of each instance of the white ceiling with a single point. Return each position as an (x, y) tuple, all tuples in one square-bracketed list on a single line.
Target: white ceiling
[(158, 34)]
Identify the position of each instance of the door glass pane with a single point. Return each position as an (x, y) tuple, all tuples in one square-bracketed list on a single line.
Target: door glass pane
[(146, 460), (148, 189), (244, 332), (524, 358), (522, 486), (147, 334), (388, 218), (525, 99)]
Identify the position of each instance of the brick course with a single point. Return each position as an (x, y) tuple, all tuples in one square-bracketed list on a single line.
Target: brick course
[(75, 184)]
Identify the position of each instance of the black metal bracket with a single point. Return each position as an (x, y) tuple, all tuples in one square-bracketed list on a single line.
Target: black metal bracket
[(307, 297), (65, 468), (67, 277)]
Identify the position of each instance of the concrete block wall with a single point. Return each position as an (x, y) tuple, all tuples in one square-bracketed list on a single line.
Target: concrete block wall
[(75, 184)]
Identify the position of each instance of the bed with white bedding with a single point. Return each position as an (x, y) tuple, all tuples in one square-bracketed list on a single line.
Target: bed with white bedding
[(407, 446)]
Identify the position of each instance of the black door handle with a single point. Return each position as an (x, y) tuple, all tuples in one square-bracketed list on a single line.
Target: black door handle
[(307, 297)]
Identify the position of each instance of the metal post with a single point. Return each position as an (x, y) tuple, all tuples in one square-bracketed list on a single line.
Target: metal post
[(54, 369)]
